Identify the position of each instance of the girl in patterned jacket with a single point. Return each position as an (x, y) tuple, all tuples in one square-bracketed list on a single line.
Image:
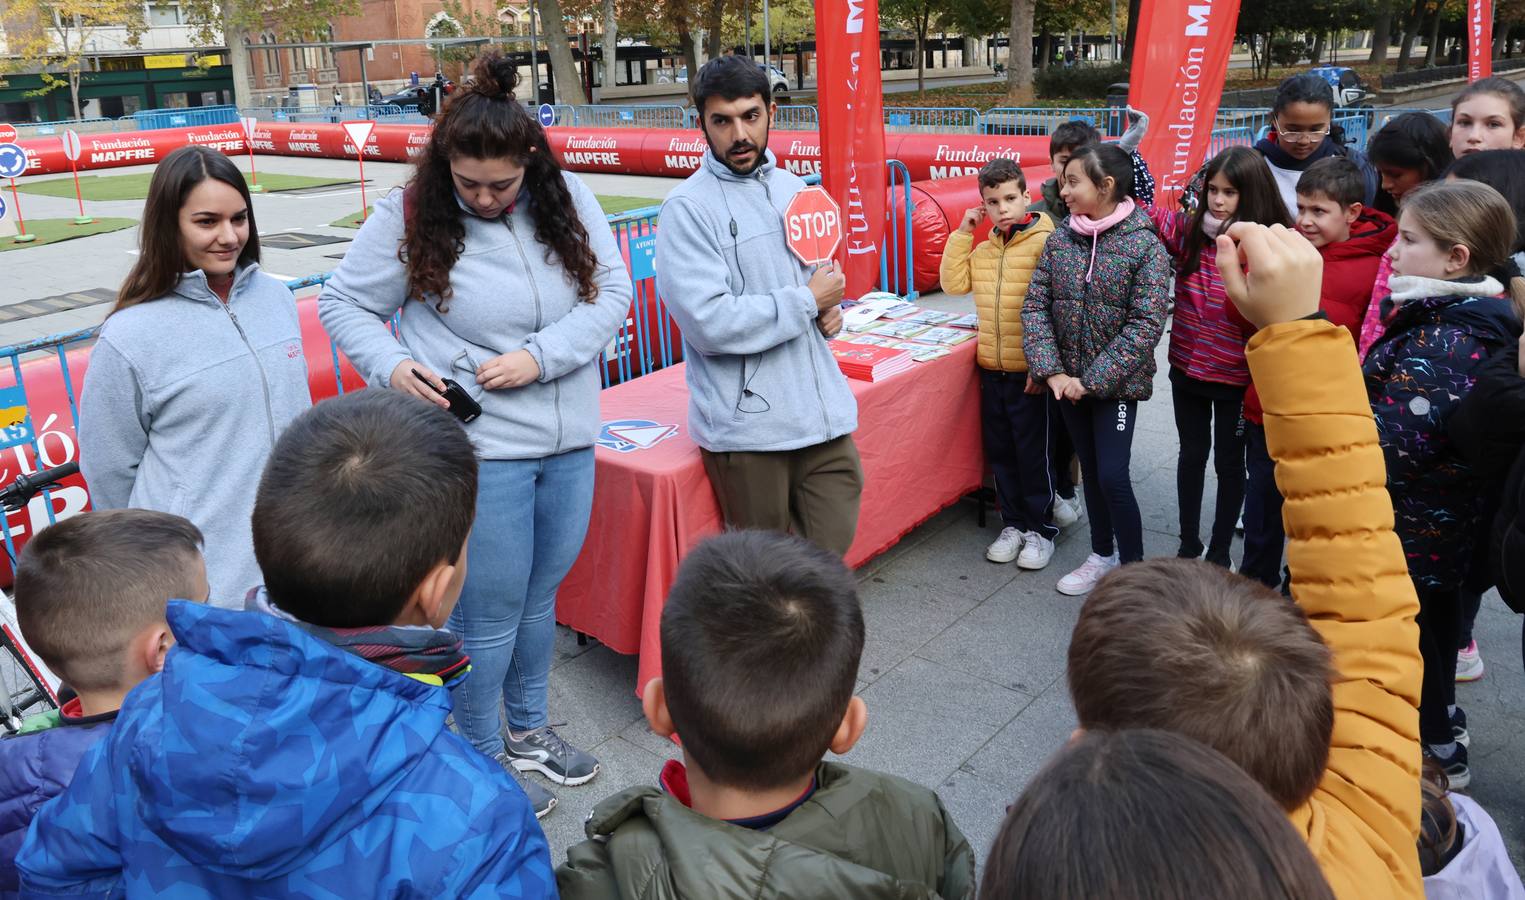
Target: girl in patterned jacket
[(1208, 374), (1095, 311), (1445, 318)]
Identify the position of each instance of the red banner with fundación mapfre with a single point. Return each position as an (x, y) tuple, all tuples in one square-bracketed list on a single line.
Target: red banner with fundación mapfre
[(1479, 39), (851, 109), (1179, 62)]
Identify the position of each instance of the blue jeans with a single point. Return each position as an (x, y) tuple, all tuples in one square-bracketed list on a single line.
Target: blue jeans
[(532, 515)]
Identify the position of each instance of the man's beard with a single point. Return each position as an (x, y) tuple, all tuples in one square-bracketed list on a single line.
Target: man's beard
[(760, 154)]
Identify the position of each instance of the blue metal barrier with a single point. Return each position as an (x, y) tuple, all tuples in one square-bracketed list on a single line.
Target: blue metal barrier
[(563, 115), (897, 273), (932, 119), (96, 125), (30, 434), (797, 118), (190, 117), (1042, 121), (653, 116)]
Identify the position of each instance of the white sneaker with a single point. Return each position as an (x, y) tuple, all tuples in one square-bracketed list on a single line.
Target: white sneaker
[(1066, 511), (1083, 579), (1006, 547), (1036, 552)]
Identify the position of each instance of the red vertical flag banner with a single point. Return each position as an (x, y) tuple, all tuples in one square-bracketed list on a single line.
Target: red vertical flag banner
[(851, 103), (1479, 39), (1179, 62)]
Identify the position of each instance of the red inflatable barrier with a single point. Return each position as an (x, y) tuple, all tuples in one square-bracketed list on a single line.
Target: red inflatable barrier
[(673, 153), (938, 207), (53, 422)]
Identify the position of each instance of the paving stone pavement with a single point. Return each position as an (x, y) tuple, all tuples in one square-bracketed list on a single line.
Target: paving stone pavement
[(963, 668)]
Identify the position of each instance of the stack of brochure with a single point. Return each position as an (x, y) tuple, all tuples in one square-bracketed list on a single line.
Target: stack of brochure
[(866, 362)]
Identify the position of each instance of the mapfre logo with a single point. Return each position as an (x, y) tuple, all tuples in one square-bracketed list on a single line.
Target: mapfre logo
[(854, 16)]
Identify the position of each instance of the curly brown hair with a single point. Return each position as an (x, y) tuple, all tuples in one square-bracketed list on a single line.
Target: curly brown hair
[(484, 121)]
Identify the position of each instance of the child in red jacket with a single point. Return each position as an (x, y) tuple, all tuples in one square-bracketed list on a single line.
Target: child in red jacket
[(1352, 238)]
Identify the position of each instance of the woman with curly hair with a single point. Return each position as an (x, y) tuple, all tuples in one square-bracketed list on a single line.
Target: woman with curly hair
[(510, 283)]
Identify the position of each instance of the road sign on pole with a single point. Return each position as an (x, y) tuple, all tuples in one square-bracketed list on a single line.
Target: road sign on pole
[(813, 226), (12, 164), (73, 148), (360, 135), (248, 123), (547, 115), (7, 133)]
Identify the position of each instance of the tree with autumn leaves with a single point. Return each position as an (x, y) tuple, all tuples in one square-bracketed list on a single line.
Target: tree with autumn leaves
[(55, 37)]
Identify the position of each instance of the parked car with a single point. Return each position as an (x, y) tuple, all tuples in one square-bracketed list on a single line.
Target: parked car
[(778, 81), (420, 97)]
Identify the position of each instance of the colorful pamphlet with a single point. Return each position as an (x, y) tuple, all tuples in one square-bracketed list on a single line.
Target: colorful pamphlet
[(931, 317), (900, 330), (948, 336)]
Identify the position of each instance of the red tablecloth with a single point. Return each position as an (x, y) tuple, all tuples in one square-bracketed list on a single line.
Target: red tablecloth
[(918, 434)]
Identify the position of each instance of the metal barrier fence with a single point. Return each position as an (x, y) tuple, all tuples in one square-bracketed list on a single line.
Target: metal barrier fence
[(795, 118), (189, 117), (932, 119), (58, 346), (96, 125), (1039, 121), (629, 116), (897, 272)]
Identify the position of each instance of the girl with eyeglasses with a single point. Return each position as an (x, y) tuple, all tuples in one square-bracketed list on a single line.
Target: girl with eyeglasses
[(1302, 133)]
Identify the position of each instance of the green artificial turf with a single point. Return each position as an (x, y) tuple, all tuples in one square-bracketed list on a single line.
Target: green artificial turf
[(53, 231), (135, 187)]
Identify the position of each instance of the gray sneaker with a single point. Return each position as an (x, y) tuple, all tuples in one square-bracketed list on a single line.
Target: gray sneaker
[(544, 751), (541, 800)]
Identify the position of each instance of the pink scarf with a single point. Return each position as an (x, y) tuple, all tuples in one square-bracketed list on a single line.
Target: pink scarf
[(1093, 228)]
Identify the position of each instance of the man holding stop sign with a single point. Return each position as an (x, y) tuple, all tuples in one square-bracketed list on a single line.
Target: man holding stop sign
[(770, 410)]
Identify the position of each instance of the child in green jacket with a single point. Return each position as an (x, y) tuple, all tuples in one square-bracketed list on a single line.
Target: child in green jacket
[(761, 639)]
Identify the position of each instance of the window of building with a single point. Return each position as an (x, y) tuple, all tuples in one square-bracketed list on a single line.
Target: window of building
[(164, 13)]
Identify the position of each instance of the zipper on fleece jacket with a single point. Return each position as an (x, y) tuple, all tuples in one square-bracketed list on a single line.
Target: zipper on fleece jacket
[(264, 382), (539, 323), (815, 370)]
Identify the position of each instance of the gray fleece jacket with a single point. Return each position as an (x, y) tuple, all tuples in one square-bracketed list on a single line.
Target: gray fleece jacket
[(183, 400), (507, 297), (760, 375)]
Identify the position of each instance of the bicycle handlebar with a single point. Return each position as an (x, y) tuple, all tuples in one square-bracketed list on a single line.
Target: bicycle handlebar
[(25, 487)]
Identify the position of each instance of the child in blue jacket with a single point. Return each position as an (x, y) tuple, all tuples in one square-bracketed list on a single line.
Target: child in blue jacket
[(298, 747)]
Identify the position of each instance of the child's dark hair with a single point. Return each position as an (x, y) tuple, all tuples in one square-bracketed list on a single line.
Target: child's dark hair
[(88, 584), (1303, 88), (482, 120), (999, 171), (1335, 177), (1071, 136), (1190, 647), (1147, 814), (1504, 171), (761, 638), (1259, 199), (1099, 162), (1506, 90), (363, 495), (730, 78), (1416, 141)]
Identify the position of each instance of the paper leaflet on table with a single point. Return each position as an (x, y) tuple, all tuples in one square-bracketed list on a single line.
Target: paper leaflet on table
[(870, 307), (629, 435)]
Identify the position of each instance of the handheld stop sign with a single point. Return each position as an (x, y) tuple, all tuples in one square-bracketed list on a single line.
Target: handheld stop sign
[(813, 226)]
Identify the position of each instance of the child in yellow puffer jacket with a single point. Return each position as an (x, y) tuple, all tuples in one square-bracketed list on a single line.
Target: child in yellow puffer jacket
[(1017, 418)]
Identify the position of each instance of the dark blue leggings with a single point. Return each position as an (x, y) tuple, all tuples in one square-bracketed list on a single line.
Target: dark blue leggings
[(1103, 434)]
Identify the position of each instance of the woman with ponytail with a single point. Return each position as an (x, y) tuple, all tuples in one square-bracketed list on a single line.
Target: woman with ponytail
[(510, 284)]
